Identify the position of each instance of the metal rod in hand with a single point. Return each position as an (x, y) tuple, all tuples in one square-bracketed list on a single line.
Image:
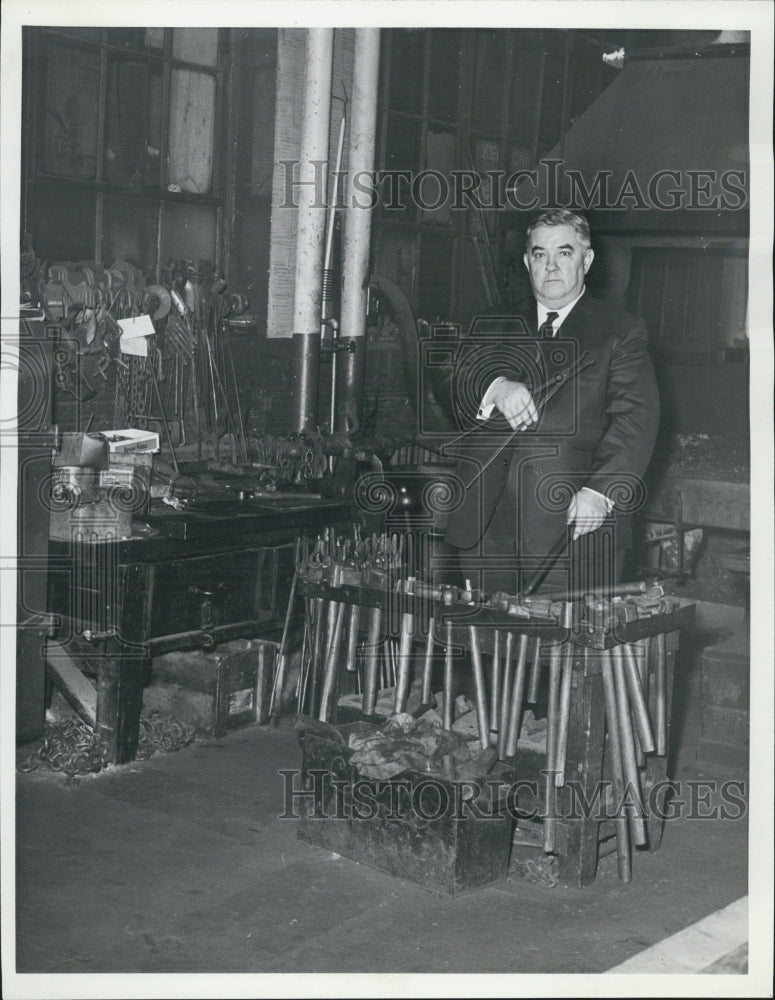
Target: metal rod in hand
[(479, 689), (372, 661), (550, 559), (404, 661), (427, 670), (623, 859), (515, 710), (555, 660), (508, 676), (448, 678), (332, 663), (660, 684), (627, 744)]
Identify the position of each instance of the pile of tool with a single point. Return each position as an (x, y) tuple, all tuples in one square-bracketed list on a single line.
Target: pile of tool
[(364, 619)]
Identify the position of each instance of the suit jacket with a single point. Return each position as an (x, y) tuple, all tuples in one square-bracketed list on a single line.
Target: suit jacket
[(598, 429)]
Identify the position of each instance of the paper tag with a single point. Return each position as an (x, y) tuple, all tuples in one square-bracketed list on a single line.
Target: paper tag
[(133, 333)]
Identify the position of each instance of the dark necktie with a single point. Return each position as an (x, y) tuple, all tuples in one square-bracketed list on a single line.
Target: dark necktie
[(546, 329)]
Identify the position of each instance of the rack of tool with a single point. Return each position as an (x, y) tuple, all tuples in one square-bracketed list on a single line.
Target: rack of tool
[(607, 660)]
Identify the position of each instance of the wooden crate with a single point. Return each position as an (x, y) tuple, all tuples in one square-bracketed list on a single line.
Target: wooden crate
[(215, 691)]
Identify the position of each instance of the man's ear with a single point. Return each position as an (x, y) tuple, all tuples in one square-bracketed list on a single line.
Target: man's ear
[(525, 261), (589, 256)]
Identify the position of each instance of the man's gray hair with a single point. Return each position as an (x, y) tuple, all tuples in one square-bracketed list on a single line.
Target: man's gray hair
[(562, 217)]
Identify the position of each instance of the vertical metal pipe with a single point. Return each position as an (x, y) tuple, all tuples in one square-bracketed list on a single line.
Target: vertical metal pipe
[(311, 227), (357, 229)]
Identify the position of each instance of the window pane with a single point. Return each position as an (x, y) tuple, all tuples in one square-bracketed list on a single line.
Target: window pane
[(69, 146), (445, 74), (62, 224), (407, 64), (189, 232), (198, 45), (129, 228), (192, 117), (488, 83), (132, 124), (129, 38)]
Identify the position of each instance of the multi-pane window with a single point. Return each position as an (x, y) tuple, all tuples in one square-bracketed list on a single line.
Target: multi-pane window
[(123, 161)]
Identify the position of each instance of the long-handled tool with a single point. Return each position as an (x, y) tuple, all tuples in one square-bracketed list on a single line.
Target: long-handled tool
[(372, 657), (660, 688), (515, 710), (332, 663), (448, 717), (404, 661), (427, 671), (535, 672), (495, 684), (632, 800), (623, 859), (479, 688), (505, 707), (555, 661), (563, 720)]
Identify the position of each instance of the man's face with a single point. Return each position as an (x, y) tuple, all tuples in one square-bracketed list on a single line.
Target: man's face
[(557, 263)]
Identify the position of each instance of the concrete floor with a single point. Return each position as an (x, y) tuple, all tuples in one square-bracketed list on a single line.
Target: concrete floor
[(181, 864)]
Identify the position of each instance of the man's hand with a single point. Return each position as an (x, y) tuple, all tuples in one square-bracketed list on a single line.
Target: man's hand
[(586, 512), (514, 401)]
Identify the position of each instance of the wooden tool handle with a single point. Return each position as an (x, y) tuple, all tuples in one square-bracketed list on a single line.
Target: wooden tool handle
[(505, 710), (332, 663), (623, 858), (427, 670), (479, 689), (372, 662), (640, 709), (515, 708), (404, 664), (448, 672), (627, 744)]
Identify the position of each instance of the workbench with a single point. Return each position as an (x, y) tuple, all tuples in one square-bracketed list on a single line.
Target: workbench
[(187, 579)]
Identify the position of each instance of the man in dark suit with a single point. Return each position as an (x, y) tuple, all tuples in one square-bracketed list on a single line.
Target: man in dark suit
[(558, 408)]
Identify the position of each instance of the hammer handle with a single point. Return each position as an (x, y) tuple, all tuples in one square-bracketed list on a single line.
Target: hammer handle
[(479, 690), (627, 743), (515, 711), (372, 661), (640, 709), (623, 858), (448, 673)]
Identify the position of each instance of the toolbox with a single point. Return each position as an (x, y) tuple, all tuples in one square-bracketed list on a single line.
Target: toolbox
[(415, 826), (215, 691)]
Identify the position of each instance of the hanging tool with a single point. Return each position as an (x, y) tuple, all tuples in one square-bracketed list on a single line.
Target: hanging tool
[(624, 863), (479, 688), (515, 707)]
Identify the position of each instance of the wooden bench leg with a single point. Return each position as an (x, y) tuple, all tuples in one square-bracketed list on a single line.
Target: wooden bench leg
[(120, 682)]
